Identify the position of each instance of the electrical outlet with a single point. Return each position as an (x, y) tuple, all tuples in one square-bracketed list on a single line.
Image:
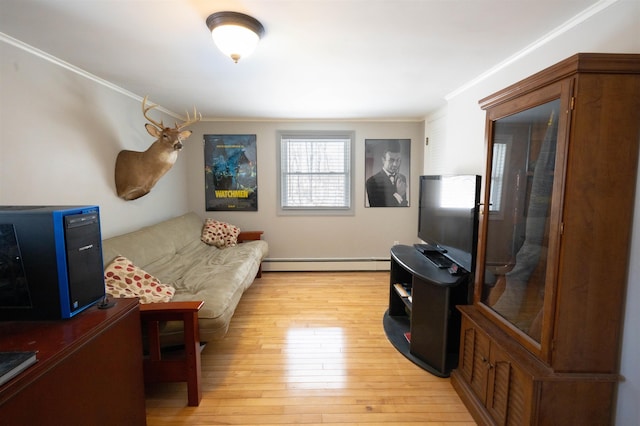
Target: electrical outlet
[(395, 243)]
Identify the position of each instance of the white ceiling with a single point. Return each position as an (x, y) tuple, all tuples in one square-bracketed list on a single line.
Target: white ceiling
[(319, 59)]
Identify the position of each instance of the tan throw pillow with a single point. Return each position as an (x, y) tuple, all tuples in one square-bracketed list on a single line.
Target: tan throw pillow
[(219, 234), (123, 279)]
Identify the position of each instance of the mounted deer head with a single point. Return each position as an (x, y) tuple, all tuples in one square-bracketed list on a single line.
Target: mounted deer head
[(137, 172)]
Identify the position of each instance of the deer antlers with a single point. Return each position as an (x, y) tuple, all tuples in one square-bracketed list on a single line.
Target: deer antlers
[(190, 121), (160, 125)]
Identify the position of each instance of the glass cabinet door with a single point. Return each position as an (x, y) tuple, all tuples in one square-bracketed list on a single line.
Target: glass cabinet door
[(517, 232)]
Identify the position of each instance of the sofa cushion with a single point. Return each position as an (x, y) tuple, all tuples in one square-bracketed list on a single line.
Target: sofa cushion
[(219, 234), (203, 272), (156, 242), (124, 279)]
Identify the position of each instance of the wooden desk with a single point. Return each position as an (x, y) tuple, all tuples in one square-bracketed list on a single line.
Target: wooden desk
[(89, 369)]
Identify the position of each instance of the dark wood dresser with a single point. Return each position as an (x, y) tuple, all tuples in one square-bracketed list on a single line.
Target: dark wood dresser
[(89, 369)]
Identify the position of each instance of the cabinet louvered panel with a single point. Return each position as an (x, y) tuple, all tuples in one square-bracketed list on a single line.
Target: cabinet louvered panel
[(508, 387), (499, 390), (475, 358), (519, 398), (466, 360)]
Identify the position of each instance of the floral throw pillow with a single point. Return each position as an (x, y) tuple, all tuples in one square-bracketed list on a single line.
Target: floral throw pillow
[(123, 279), (219, 234)]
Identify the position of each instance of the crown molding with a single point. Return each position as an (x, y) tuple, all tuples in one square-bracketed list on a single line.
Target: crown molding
[(76, 70), (555, 33)]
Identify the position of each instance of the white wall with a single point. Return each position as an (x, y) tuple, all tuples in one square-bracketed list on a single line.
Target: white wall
[(615, 29), (60, 133), (366, 235)]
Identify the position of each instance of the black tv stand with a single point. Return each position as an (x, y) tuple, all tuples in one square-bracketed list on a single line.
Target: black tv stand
[(422, 322)]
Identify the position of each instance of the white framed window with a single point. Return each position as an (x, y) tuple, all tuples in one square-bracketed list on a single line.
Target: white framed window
[(315, 172)]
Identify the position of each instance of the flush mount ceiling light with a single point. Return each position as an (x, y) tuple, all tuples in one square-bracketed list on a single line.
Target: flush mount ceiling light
[(235, 34)]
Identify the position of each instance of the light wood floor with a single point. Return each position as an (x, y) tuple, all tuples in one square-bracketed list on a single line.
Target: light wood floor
[(309, 348)]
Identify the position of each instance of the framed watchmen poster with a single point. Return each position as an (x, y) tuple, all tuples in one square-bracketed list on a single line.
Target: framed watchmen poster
[(230, 173)]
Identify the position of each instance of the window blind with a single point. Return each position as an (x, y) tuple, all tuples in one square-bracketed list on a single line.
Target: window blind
[(315, 172)]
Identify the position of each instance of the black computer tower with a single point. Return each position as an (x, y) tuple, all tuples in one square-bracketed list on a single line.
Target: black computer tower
[(50, 261)]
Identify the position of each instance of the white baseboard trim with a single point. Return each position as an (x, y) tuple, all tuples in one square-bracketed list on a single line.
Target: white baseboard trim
[(301, 265)]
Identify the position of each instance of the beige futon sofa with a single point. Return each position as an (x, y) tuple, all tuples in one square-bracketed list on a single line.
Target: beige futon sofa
[(173, 252)]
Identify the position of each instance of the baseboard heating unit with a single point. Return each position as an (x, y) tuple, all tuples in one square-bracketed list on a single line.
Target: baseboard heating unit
[(326, 264)]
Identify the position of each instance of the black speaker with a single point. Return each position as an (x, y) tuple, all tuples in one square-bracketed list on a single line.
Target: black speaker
[(50, 261)]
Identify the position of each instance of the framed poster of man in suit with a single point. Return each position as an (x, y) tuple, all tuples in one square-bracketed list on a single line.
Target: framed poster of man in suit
[(387, 171)]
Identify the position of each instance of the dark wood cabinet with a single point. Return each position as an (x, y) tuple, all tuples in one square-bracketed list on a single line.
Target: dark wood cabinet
[(540, 344), (424, 327), (502, 383), (89, 369), (494, 377)]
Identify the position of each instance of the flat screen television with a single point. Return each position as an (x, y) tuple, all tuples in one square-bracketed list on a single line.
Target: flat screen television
[(448, 219)]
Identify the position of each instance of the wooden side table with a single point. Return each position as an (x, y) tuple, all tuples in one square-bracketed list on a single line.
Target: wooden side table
[(164, 367)]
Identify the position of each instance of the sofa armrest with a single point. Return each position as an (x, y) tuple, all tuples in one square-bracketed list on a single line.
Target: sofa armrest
[(249, 236), (158, 368), (168, 310)]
